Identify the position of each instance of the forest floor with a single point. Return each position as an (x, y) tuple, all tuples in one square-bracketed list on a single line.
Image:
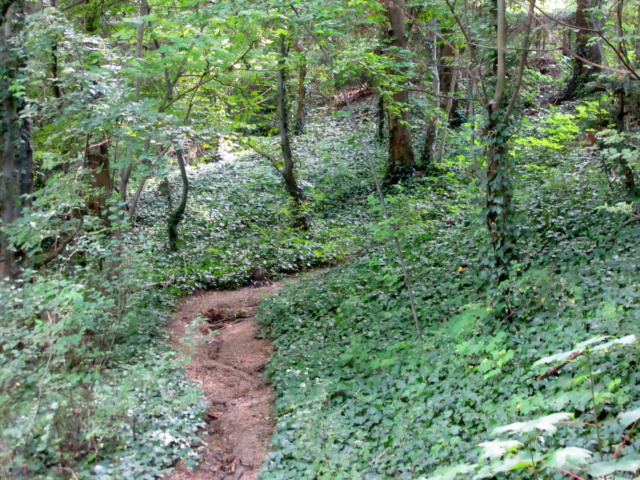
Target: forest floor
[(217, 332)]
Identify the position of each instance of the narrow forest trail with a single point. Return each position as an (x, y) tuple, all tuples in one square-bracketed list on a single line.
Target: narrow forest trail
[(227, 361)]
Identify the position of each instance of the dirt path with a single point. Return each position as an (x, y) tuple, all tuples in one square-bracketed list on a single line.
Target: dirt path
[(227, 364)]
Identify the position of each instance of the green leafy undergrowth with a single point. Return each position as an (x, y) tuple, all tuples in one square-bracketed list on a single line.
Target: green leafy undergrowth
[(88, 385), (360, 397), (239, 215)]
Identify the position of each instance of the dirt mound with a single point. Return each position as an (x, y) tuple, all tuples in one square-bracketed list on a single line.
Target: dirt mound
[(227, 362)]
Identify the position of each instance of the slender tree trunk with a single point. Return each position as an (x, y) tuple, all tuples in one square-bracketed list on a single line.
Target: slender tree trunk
[(449, 106), (431, 133), (401, 160), (597, 22), (125, 173), (380, 113), (301, 112), (448, 77), (498, 205), (288, 172), (177, 214), (637, 63), (625, 167)]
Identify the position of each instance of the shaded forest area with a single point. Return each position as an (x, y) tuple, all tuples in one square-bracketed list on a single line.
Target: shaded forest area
[(465, 171)]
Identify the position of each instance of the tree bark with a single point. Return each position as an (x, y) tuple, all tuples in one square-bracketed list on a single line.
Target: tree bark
[(97, 162), (401, 160), (288, 172), (16, 181), (498, 205), (301, 112), (581, 72), (177, 214), (627, 171), (431, 133), (380, 113), (125, 174)]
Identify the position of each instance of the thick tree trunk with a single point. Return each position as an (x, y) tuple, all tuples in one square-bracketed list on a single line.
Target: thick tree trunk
[(98, 166), (585, 48), (401, 160), (16, 179), (288, 172)]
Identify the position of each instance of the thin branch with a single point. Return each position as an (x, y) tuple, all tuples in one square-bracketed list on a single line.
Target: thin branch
[(61, 246), (573, 54), (571, 474), (272, 160), (557, 368)]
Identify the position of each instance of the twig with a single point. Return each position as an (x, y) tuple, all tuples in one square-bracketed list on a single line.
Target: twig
[(379, 457), (625, 440), (555, 369), (572, 474)]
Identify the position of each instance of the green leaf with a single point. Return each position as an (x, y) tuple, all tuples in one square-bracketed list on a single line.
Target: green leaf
[(568, 457), (591, 341), (628, 340), (450, 473), (545, 424), (627, 418), (628, 463), (498, 448), (558, 357)]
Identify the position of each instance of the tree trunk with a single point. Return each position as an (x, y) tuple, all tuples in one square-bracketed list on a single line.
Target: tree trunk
[(380, 115), (431, 133), (288, 172), (125, 173), (176, 215), (498, 205), (581, 72), (637, 63), (301, 112), (627, 171), (447, 74), (401, 160), (98, 166), (16, 180)]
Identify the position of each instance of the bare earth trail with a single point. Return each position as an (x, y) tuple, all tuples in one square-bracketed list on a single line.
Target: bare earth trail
[(227, 363)]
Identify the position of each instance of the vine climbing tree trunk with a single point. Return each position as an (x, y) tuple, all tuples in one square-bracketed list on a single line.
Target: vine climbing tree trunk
[(499, 208), (498, 183), (288, 171), (401, 159)]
